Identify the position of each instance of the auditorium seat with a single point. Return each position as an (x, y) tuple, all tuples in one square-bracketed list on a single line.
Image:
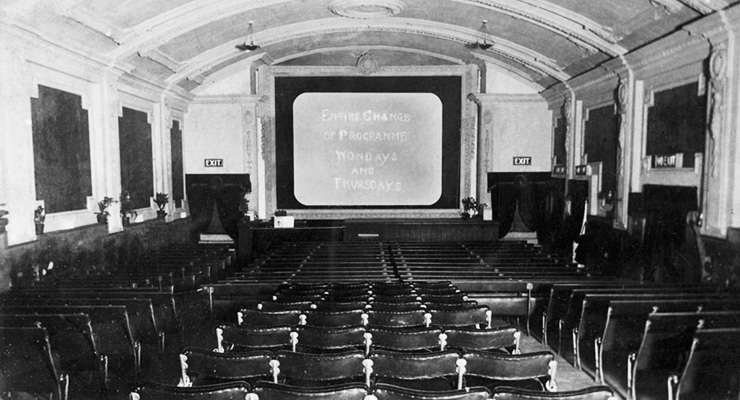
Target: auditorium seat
[(317, 339), (665, 343), (222, 391), (712, 371), (589, 393), (534, 371), (276, 391), (433, 371), (238, 338), (383, 391), (407, 339), (28, 364), (498, 339), (308, 369), (204, 366)]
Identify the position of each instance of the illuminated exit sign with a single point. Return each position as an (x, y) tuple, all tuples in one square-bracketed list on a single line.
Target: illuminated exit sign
[(214, 162), (522, 160)]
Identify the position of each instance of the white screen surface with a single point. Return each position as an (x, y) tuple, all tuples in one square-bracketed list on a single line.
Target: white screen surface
[(367, 149)]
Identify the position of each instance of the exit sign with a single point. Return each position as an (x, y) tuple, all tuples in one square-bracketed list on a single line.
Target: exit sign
[(522, 160), (214, 162)]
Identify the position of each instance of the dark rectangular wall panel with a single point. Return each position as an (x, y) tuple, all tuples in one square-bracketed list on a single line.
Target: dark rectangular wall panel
[(677, 123), (177, 168), (559, 141), (137, 172), (61, 150), (601, 136)]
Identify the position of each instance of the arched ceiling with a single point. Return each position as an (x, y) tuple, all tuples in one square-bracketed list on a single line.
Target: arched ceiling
[(181, 42)]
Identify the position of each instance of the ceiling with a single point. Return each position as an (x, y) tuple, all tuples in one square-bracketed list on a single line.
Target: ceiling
[(182, 42)]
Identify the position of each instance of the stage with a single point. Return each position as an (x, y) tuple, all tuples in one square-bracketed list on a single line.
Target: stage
[(257, 238)]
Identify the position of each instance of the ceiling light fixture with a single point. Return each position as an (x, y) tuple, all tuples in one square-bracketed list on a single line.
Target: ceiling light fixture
[(249, 42), (486, 44)]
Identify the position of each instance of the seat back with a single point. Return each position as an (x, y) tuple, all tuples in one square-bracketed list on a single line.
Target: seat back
[(298, 368), (589, 393), (400, 319), (238, 338), (221, 391), (511, 367), (321, 338), (410, 366), (335, 319), (263, 318), (479, 317), (713, 368), (29, 367), (199, 365), (275, 391), (413, 339), (391, 392), (482, 339)]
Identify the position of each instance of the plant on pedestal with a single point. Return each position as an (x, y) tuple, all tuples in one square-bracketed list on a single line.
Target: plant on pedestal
[(39, 216), (471, 208), (127, 208), (161, 199), (103, 206)]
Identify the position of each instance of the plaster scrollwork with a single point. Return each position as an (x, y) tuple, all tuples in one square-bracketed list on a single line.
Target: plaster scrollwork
[(623, 110), (487, 162), (568, 123), (248, 121), (367, 64), (469, 130), (717, 69)]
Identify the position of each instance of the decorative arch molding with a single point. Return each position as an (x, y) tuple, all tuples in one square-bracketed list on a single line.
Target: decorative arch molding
[(441, 56), (151, 33), (519, 54), (468, 134)]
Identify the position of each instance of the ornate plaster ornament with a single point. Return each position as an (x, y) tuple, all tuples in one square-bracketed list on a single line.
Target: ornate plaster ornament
[(367, 64), (717, 70), (367, 9)]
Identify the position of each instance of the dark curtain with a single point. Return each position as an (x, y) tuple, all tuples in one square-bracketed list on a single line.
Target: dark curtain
[(225, 191), (504, 196)]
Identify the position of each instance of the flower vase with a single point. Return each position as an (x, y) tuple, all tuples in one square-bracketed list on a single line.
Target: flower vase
[(39, 229)]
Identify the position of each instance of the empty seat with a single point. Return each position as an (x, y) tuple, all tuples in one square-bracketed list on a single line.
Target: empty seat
[(399, 319), (264, 318), (28, 365), (307, 369), (323, 339), (425, 371), (222, 391), (277, 391), (237, 338), (203, 366), (590, 393), (411, 339), (391, 392), (528, 371), (506, 337), (479, 317), (712, 371)]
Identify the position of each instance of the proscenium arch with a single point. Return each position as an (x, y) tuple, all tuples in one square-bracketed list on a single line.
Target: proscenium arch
[(223, 53)]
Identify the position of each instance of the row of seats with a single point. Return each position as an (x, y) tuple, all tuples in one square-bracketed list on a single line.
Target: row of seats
[(648, 341), (397, 353), (270, 391), (328, 339), (69, 335)]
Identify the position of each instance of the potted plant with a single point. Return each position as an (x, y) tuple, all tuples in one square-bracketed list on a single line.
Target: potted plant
[(39, 216), (161, 199), (471, 208), (103, 206), (127, 208)]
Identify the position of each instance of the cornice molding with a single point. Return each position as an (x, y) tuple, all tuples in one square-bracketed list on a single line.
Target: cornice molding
[(227, 99), (486, 98)]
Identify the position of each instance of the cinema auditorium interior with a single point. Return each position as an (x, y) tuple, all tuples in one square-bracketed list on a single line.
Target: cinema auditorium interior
[(370, 199)]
